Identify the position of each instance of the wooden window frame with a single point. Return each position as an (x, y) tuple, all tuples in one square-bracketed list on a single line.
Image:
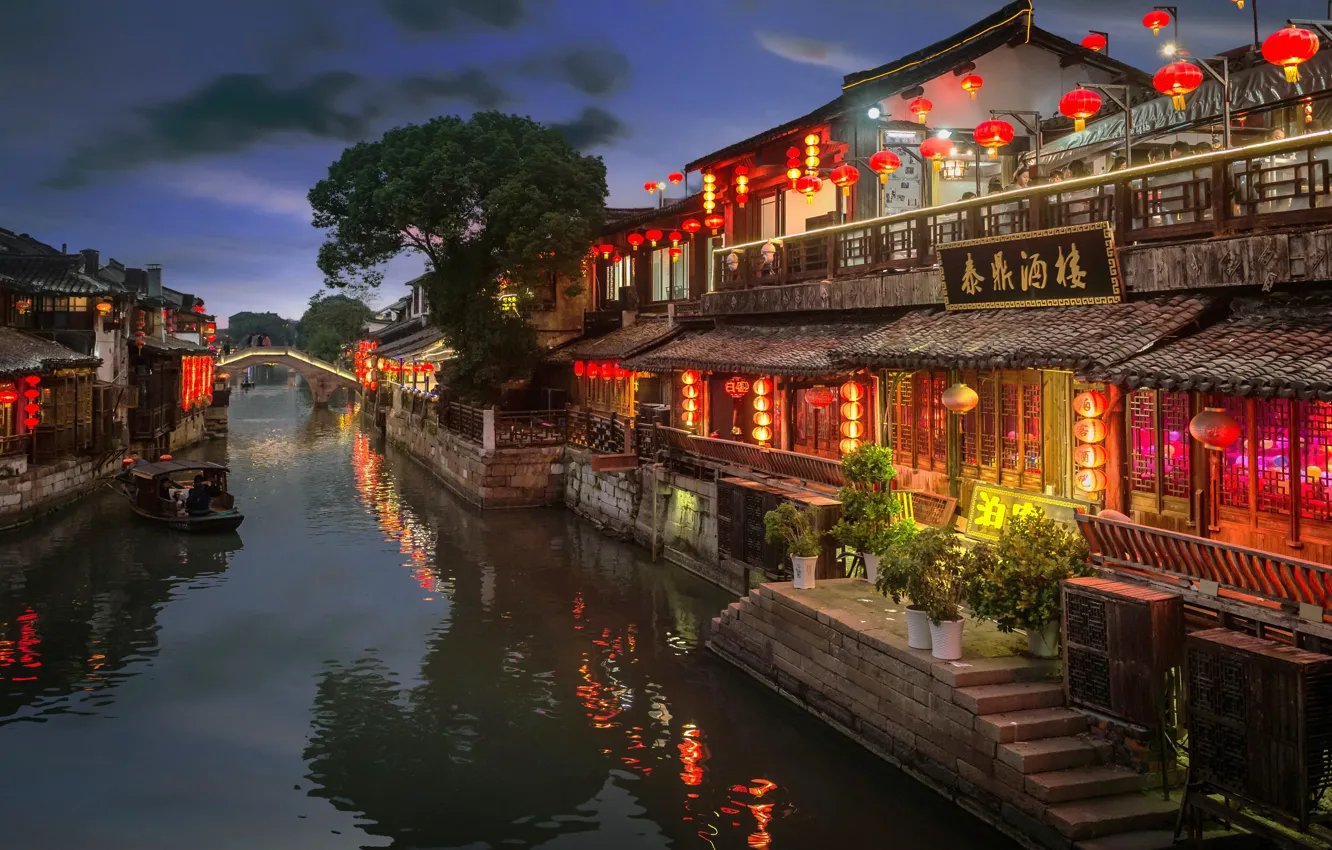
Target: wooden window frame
[(1157, 500)]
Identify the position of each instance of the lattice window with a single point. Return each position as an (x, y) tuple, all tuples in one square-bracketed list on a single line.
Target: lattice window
[(968, 427), (1010, 420), (1235, 466), (924, 404), (1175, 436), (989, 431), (1031, 428), (1273, 467), (1315, 455), (903, 426), (1142, 440), (939, 420)]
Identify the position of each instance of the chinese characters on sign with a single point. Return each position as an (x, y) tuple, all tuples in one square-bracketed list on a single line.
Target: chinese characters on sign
[(1069, 265), (992, 507)]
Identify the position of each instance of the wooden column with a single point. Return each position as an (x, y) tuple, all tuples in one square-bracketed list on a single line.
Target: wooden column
[(1116, 488)]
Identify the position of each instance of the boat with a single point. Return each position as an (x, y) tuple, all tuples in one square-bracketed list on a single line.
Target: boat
[(157, 491)]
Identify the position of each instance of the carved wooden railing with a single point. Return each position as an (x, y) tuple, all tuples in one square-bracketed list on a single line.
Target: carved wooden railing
[(597, 433), (463, 420), (529, 428), (1183, 557), (1273, 184), (770, 461)]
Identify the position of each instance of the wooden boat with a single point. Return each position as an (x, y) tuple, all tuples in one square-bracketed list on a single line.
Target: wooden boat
[(157, 491)]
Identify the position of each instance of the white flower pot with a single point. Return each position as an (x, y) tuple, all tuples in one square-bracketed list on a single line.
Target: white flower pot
[(918, 628), (802, 571), (1044, 642), (947, 639), (871, 567)]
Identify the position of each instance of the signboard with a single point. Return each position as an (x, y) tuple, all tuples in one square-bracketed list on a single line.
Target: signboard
[(904, 190), (992, 507), (1045, 268)]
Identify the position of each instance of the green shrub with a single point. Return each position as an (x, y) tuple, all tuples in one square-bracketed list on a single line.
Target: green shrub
[(933, 569), (1017, 581), (869, 507), (791, 529)]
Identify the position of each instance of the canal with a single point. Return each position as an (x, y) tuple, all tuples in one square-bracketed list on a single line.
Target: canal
[(368, 663)]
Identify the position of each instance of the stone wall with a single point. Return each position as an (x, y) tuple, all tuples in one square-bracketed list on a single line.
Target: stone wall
[(215, 421), (189, 431), (503, 478), (29, 491)]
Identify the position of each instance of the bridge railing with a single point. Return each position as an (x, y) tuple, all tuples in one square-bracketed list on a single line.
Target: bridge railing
[(264, 354)]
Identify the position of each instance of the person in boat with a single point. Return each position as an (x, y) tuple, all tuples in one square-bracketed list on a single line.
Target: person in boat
[(200, 500)]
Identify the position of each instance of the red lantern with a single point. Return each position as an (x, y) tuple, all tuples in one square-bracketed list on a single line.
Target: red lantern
[(691, 226), (675, 177), (993, 135), (1290, 48), (675, 236), (606, 251), (820, 397), (809, 186), (591, 370), (1176, 80), (737, 387), (845, 176), (1090, 404), (1090, 480), (793, 165), (1156, 20), (32, 409), (960, 398), (8, 395), (689, 377), (615, 258), (33, 380), (654, 236), (1095, 42), (1080, 104), (1215, 429), (650, 187), (715, 222), (621, 372), (741, 184), (634, 240), (32, 395), (675, 251), (920, 107), (936, 150), (31, 422), (971, 84), (884, 163)]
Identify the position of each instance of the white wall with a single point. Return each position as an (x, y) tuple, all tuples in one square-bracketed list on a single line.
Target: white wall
[(798, 209)]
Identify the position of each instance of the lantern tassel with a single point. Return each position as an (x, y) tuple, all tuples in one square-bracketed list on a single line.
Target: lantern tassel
[(972, 93), (883, 178), (1292, 73), (938, 165), (920, 117), (1179, 102), (1079, 124)]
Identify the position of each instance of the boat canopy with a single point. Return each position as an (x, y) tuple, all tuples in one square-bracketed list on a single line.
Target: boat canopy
[(168, 467)]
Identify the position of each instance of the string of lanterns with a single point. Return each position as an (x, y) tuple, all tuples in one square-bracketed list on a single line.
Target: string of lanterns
[(32, 410), (762, 432), (1089, 457), (853, 414), (689, 393)]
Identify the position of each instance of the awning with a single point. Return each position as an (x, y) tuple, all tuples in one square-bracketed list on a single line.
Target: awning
[(618, 344), (770, 349), (1077, 338), (24, 354), (1273, 347)]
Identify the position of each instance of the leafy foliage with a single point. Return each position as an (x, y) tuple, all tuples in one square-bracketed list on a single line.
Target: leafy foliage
[(496, 204), (870, 510), (792, 529), (279, 330), (934, 569), (1017, 583), (329, 323)]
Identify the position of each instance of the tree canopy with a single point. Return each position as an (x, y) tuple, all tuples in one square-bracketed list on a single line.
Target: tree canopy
[(241, 325), (497, 205), (330, 322)]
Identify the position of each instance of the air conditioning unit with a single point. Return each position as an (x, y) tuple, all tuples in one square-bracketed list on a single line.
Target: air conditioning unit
[(1260, 723), (1122, 643)]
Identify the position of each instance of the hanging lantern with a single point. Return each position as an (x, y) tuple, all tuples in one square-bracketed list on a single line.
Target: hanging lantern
[(675, 251), (1095, 42), (689, 377), (591, 370), (621, 373), (793, 166), (1214, 428), (31, 422), (845, 176), (960, 398), (1090, 480), (104, 307), (737, 387), (809, 186), (691, 226), (1089, 456), (762, 432), (812, 153), (608, 370), (606, 251), (650, 187), (616, 258), (936, 150), (33, 380), (709, 192), (1089, 431), (689, 405), (1177, 80), (1156, 20), (715, 222), (1290, 48), (763, 403), (676, 237), (993, 135), (675, 177), (762, 387), (741, 185), (1080, 104), (634, 240), (920, 107), (1089, 405), (852, 410), (971, 84), (819, 397), (8, 395), (852, 391), (653, 237), (884, 163)]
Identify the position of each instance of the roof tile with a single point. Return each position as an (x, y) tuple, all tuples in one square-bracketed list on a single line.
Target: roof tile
[(779, 348)]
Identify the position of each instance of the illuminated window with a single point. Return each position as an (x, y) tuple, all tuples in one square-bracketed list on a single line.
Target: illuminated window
[(670, 280), (1235, 466), (1273, 457), (1142, 440), (1002, 438), (902, 420), (967, 424), (1159, 446), (1315, 446)]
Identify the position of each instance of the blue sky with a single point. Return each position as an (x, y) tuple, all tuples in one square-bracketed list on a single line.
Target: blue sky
[(188, 133)]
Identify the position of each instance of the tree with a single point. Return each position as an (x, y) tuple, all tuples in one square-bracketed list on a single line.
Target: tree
[(241, 325), (331, 322), (497, 205)]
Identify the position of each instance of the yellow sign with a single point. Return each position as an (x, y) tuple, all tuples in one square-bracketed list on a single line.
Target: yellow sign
[(993, 506)]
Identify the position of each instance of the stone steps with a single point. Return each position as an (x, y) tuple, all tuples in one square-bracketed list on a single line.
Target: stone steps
[(1031, 724), (1081, 783), (1047, 754), (1012, 696), (1108, 816)]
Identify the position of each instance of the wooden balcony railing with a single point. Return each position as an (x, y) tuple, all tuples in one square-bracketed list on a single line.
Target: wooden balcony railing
[(521, 429), (463, 420), (1273, 184), (597, 433), (1288, 582)]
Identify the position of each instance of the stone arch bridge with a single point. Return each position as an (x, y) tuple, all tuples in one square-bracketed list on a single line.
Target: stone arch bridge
[(324, 378)]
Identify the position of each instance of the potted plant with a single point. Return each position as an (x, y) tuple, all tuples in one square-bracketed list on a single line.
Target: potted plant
[(791, 529), (869, 506), (946, 570), (903, 572), (1018, 579)]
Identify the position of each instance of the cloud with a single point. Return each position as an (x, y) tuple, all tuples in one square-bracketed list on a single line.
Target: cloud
[(811, 51), (594, 71), (470, 85), (447, 16), (238, 189), (592, 128)]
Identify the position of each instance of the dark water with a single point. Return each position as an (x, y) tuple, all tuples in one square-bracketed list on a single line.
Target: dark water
[(369, 664)]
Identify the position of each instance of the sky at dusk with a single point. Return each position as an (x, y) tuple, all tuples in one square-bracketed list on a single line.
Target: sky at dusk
[(188, 133)]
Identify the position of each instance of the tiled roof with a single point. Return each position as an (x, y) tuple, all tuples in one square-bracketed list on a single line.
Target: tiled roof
[(398, 329), (172, 344), (666, 216), (618, 344), (1278, 346), (412, 344), (60, 274), (1080, 338), (779, 349), (24, 245), (23, 354)]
